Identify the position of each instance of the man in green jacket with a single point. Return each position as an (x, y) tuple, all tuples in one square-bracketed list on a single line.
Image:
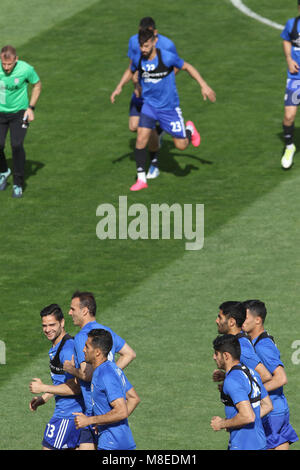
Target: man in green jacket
[(16, 112)]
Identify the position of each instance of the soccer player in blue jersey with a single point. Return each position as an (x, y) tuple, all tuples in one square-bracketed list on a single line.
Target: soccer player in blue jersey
[(278, 429), (244, 396), (230, 319), (109, 409), (136, 101), (291, 48), (161, 102), (60, 432)]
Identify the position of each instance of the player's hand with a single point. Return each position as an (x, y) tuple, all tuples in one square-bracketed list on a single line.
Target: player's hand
[(209, 93), (115, 93), (69, 366), (293, 66), (36, 402), (36, 386), (218, 375), (216, 423), (80, 420), (29, 115)]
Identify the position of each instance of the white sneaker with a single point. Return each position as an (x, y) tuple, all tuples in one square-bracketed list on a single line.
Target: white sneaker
[(153, 172), (3, 179), (287, 158)]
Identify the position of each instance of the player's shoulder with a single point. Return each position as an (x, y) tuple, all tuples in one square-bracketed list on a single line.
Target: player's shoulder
[(165, 40)]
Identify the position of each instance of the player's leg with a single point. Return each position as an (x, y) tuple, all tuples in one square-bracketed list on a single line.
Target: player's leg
[(154, 146), (146, 125), (4, 170), (143, 136), (291, 103), (172, 122), (17, 136), (135, 107)]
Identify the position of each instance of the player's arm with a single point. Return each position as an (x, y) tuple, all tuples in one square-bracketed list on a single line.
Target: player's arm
[(126, 77), (265, 375), (265, 406), (132, 400), (244, 416), (39, 401), (116, 414), (278, 379), (71, 387), (35, 93), (84, 372), (292, 64), (206, 91), (126, 355)]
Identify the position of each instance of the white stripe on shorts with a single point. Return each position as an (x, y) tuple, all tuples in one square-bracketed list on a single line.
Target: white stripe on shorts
[(179, 112), (61, 433)]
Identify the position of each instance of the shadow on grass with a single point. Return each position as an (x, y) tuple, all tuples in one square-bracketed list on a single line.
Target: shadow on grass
[(167, 160)]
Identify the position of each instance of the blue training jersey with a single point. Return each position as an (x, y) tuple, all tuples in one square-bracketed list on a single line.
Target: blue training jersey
[(269, 354), (237, 386), (287, 35), (157, 79), (162, 43), (80, 340), (248, 354), (108, 384), (65, 406)]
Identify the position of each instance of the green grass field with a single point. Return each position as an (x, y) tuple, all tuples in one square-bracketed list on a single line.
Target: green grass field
[(161, 298)]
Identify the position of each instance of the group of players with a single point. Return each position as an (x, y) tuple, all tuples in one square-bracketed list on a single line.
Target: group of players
[(93, 397), (251, 378)]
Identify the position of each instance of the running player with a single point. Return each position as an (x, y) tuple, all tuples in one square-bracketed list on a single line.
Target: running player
[(16, 112), (244, 396), (60, 432), (161, 101), (136, 101), (109, 412), (291, 48)]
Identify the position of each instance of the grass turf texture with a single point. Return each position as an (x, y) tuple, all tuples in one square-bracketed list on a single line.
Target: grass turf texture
[(160, 298)]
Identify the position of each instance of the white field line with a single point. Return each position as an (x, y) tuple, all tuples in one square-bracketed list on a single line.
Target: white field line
[(240, 6)]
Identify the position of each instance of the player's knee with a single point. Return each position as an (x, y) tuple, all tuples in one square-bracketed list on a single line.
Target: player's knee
[(181, 144), (133, 127)]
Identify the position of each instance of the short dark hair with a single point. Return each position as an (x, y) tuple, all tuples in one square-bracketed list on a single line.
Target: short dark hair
[(52, 309), (8, 51), (145, 35), (228, 343), (256, 307), (101, 339), (86, 299), (147, 22), (234, 309)]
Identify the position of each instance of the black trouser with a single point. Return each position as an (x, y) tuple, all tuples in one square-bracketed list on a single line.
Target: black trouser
[(13, 123)]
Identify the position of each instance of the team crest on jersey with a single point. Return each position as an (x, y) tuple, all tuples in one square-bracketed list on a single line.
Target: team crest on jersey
[(17, 81)]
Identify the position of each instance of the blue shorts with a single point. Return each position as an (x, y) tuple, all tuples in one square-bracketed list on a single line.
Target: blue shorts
[(88, 436), (135, 105), (292, 92), (61, 433), (170, 120), (278, 430)]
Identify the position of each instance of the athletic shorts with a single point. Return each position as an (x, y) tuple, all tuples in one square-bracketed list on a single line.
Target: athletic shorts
[(292, 92), (88, 436), (278, 430), (135, 105), (61, 433), (170, 120)]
